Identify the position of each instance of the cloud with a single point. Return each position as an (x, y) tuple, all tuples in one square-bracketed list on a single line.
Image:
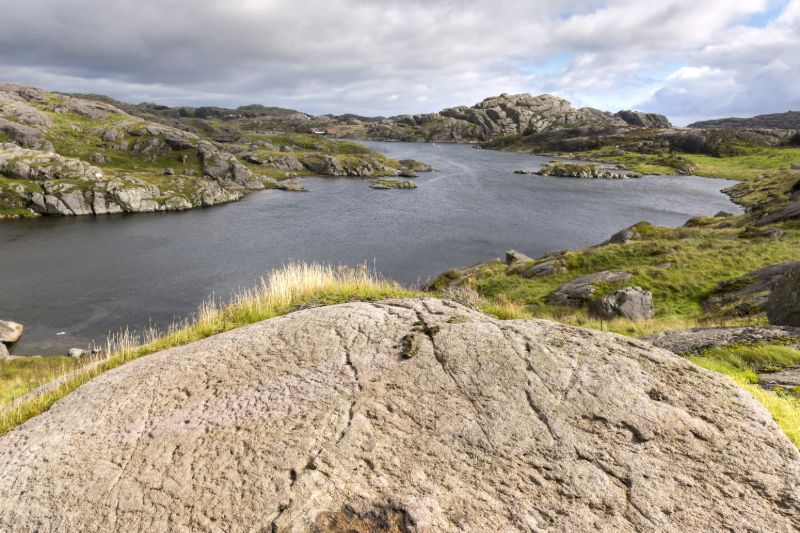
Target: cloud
[(745, 71), (390, 56)]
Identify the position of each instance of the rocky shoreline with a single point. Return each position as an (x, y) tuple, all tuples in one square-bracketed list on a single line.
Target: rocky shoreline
[(67, 156)]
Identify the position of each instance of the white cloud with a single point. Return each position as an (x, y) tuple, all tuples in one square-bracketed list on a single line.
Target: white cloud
[(399, 56)]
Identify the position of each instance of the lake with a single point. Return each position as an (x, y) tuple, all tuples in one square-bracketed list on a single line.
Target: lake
[(85, 276)]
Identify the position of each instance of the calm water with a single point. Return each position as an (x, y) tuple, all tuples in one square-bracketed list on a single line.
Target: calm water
[(85, 276)]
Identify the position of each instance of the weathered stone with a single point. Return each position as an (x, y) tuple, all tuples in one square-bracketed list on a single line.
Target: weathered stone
[(644, 120), (632, 303), (321, 420), (10, 332), (323, 165), (579, 291), (783, 305), (290, 185), (545, 268), (689, 341), (746, 295), (513, 256), (76, 353), (4, 355), (626, 235)]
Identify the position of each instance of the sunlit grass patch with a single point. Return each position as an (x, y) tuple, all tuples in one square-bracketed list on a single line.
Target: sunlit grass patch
[(784, 407)]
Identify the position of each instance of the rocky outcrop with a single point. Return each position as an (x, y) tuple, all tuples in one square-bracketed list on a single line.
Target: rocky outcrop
[(783, 304), (693, 341), (644, 120), (548, 267), (746, 295), (631, 233), (26, 164), (494, 117), (412, 415), (580, 291), (585, 171), (786, 379), (631, 303)]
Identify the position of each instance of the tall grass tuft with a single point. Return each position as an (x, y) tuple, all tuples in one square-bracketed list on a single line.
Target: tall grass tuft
[(291, 287)]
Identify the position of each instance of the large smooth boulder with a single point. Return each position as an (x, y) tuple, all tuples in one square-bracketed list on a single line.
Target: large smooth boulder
[(632, 303), (783, 305), (10, 332), (411, 415)]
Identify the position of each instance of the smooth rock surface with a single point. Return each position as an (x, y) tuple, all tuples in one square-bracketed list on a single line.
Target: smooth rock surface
[(685, 341), (783, 305), (414, 415)]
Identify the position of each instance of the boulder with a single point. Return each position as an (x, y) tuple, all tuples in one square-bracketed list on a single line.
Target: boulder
[(4, 355), (513, 256), (579, 291), (632, 303), (794, 192), (10, 332), (545, 268), (783, 305), (693, 341), (324, 165), (408, 415), (76, 353), (626, 235)]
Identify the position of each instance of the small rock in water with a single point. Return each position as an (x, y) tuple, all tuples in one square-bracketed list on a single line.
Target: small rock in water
[(76, 353), (523, 171)]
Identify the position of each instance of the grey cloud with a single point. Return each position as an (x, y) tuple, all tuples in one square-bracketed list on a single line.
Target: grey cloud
[(371, 57)]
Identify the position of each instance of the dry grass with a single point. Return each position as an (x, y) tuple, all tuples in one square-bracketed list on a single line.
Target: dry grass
[(284, 290)]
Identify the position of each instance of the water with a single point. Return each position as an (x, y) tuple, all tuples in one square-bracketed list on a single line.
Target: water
[(86, 276)]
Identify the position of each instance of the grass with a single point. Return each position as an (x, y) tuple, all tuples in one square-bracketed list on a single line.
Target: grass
[(680, 266), (20, 376), (284, 290), (758, 359), (784, 407)]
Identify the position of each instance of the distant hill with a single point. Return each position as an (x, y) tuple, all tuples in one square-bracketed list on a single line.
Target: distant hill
[(785, 121), (495, 117)]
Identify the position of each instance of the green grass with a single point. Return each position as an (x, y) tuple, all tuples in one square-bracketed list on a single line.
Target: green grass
[(681, 266), (292, 287), (758, 359), (784, 407), (20, 376)]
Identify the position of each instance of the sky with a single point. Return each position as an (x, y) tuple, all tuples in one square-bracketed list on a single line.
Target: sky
[(688, 59)]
